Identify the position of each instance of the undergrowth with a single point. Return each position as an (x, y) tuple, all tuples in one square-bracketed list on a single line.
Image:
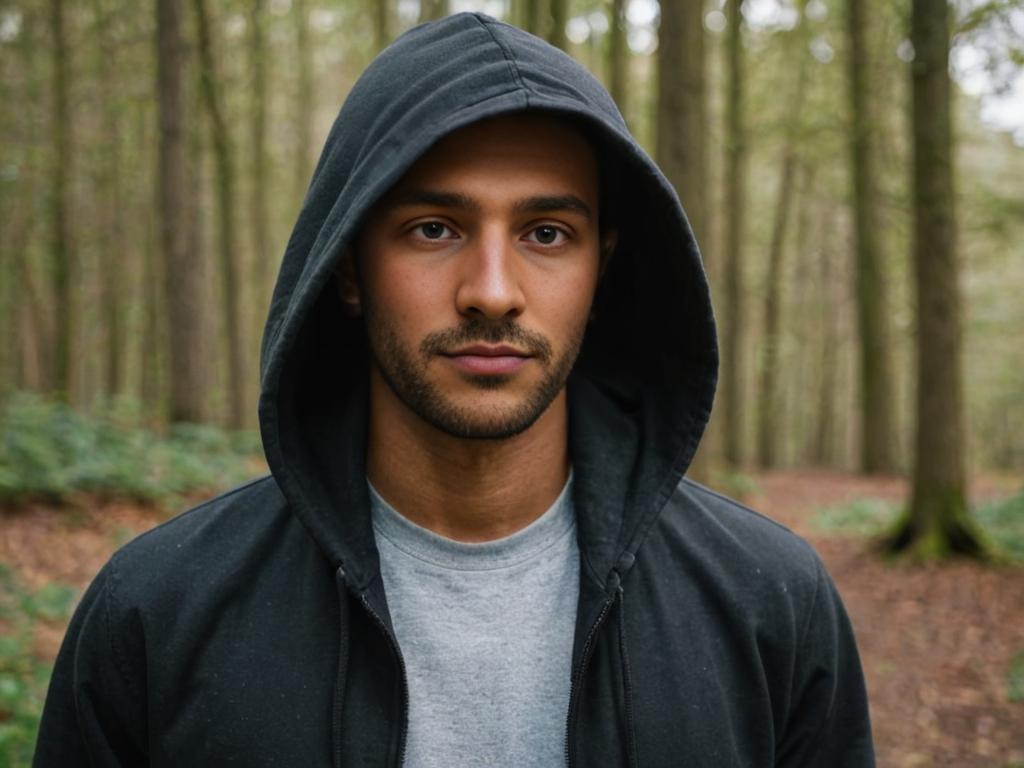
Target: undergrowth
[(23, 678), (1002, 521), (51, 451)]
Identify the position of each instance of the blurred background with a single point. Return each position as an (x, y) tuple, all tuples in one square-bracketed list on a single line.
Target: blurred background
[(854, 171)]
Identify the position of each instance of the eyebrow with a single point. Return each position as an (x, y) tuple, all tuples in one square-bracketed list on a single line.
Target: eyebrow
[(536, 204)]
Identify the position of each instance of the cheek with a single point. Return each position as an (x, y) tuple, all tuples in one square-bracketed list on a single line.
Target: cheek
[(562, 302), (405, 296)]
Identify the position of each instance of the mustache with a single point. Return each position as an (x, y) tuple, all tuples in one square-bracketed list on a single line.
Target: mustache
[(489, 332)]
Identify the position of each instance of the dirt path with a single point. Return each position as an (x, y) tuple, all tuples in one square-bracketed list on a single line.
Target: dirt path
[(936, 642)]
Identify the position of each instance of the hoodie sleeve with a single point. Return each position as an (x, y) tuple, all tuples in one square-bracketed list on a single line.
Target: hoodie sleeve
[(828, 724), (95, 708)]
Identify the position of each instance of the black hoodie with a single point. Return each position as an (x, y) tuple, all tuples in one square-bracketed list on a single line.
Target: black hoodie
[(254, 629)]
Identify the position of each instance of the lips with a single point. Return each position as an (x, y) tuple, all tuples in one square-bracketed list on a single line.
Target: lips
[(484, 359)]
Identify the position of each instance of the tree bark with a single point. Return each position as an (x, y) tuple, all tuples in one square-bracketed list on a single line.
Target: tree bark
[(681, 148), (113, 256), (824, 435), (381, 23), (618, 53), (534, 17), (878, 429), (62, 242), (937, 522), (304, 100), (259, 213), (768, 400), (227, 241), (183, 286), (559, 15), (431, 10), (732, 372)]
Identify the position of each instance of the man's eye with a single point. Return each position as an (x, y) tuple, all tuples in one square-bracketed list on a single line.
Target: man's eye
[(434, 230), (547, 235)]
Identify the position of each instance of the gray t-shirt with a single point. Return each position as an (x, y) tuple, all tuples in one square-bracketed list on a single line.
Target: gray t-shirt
[(486, 631)]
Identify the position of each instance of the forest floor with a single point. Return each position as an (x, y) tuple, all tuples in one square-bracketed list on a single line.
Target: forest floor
[(942, 645)]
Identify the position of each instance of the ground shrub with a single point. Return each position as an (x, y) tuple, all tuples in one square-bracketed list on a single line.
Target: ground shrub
[(50, 451), (23, 678), (1002, 521)]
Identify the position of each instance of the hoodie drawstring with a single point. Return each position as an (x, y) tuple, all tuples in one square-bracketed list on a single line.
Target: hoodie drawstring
[(344, 629)]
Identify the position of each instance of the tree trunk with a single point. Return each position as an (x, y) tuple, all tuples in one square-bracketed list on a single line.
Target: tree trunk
[(878, 430), (559, 16), (732, 373), (382, 23), (259, 213), (182, 282), (768, 400), (62, 242), (824, 435), (535, 17), (227, 242), (304, 101), (431, 10), (113, 256), (937, 522), (618, 53), (681, 148)]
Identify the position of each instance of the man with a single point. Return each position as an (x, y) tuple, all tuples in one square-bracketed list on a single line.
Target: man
[(489, 359)]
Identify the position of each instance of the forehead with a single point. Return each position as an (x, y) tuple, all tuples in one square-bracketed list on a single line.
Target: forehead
[(509, 151)]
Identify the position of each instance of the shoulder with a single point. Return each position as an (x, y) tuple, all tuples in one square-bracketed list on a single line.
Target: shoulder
[(728, 529), (738, 557), (213, 538)]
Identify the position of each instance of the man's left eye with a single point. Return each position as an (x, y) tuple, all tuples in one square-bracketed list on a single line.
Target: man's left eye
[(434, 230), (547, 235)]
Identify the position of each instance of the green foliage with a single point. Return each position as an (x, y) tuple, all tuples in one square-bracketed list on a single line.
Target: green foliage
[(1004, 523), (1001, 521), (49, 450), (859, 517), (734, 483), (23, 678), (1015, 678)]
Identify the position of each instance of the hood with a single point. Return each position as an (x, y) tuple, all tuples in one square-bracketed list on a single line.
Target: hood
[(642, 390)]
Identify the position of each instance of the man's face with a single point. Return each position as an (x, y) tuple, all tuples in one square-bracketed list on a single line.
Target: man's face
[(476, 274)]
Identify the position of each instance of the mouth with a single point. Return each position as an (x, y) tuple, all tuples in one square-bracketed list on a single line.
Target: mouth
[(488, 360)]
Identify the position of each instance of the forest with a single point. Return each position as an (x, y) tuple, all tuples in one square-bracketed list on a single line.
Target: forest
[(853, 171)]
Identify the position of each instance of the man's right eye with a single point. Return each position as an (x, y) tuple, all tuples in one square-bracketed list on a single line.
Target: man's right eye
[(434, 230)]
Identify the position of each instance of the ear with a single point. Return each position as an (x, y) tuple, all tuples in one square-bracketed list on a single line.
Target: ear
[(608, 242), (348, 285)]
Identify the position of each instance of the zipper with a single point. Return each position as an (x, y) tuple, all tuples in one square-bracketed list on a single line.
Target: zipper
[(403, 726), (574, 684)]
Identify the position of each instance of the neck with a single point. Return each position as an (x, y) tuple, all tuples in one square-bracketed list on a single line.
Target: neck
[(467, 490)]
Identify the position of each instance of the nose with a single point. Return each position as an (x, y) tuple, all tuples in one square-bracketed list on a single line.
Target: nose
[(489, 281)]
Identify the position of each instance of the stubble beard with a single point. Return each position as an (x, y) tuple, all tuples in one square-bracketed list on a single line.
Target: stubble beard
[(406, 374)]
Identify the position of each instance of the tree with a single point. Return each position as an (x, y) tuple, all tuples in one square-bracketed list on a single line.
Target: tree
[(732, 373), (62, 242), (303, 123), (182, 276), (559, 16), (878, 429), (681, 148), (381, 23), (259, 210), (534, 17), (937, 521), (768, 399), (618, 54), (227, 241), (431, 10), (111, 184)]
